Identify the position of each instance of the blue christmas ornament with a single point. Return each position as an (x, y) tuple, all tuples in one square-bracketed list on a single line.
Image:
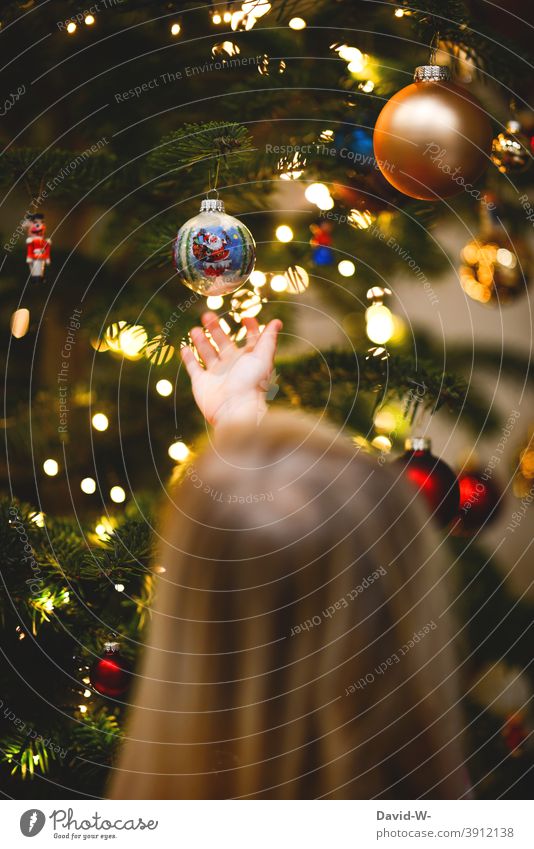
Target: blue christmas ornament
[(355, 144), (322, 255), (214, 253)]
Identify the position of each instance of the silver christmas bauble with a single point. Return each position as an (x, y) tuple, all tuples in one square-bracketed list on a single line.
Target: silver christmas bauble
[(214, 253)]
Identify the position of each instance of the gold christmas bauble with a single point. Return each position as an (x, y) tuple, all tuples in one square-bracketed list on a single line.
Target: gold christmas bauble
[(509, 151), (432, 139), (495, 270)]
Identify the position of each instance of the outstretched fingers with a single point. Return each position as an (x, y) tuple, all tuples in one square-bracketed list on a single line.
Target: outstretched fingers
[(190, 362), (203, 346), (253, 332), (266, 345), (211, 322)]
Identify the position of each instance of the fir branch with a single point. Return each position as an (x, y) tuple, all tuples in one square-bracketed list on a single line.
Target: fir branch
[(55, 172), (333, 378), (219, 146), (24, 755), (93, 741), (127, 550)]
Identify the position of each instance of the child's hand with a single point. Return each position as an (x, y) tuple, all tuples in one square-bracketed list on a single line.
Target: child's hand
[(233, 384)]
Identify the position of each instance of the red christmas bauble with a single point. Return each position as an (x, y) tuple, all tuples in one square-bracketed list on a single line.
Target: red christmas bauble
[(110, 676), (479, 503), (433, 478)]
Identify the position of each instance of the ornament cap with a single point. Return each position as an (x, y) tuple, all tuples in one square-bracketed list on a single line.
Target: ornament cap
[(418, 443), (212, 205), (431, 74), (111, 646)]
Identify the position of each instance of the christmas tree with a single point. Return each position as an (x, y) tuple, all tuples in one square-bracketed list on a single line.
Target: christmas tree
[(129, 115)]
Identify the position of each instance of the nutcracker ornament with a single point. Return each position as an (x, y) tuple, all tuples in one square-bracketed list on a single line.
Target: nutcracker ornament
[(37, 247)]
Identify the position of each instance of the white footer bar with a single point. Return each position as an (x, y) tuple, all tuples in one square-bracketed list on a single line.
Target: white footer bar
[(268, 825)]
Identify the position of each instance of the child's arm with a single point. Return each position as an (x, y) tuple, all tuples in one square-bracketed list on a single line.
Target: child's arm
[(233, 383)]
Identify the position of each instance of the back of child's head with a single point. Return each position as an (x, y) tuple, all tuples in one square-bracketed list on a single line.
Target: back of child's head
[(300, 645)]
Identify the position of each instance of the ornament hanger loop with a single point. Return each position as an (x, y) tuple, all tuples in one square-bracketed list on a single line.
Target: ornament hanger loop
[(433, 48)]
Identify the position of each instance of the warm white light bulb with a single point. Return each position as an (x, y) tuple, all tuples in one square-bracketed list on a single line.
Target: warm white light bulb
[(89, 20), (88, 485), (279, 283), (175, 29), (350, 54), (356, 65), (316, 192), (380, 326), (71, 27), (258, 279), (506, 258), (164, 387), (284, 233), (214, 302), (325, 203), (100, 421), (51, 467), (382, 442), (385, 421), (178, 451), (346, 268), (297, 23), (132, 341), (117, 494)]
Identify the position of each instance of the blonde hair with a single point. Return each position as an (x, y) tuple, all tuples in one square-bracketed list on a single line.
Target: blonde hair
[(300, 645)]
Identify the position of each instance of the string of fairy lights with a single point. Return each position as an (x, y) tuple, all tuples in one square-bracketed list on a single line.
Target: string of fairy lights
[(243, 18)]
